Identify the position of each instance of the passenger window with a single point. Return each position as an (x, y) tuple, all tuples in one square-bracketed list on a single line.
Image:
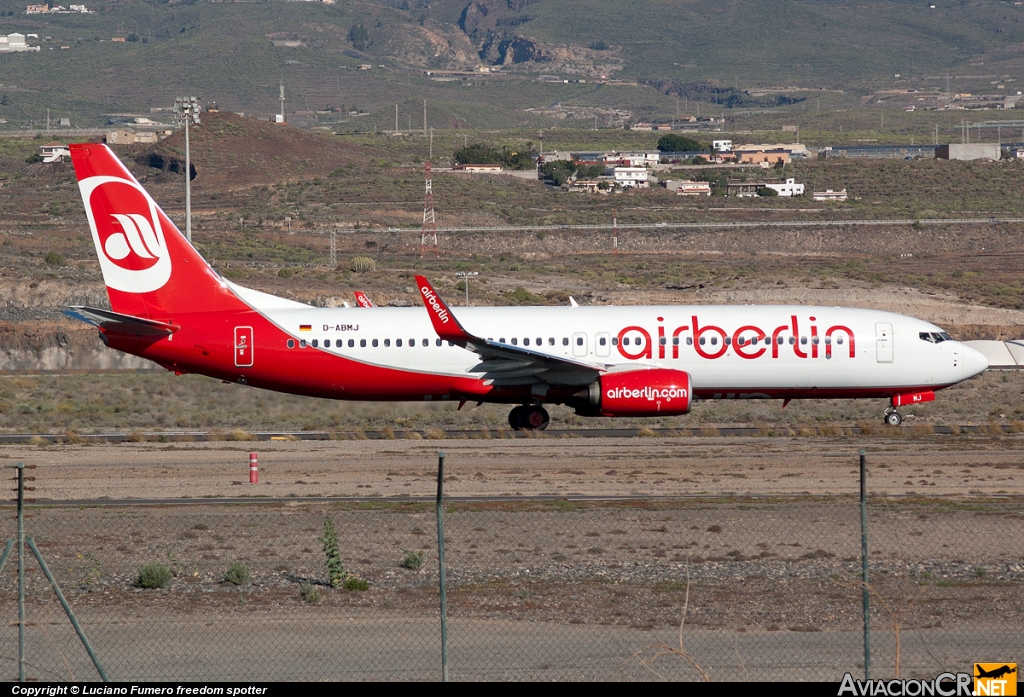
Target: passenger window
[(412, 343), (437, 342), (792, 340), (663, 341), (579, 341), (828, 340), (740, 341), (839, 340), (387, 342), (814, 341), (803, 341), (625, 341), (675, 341), (291, 343), (540, 341), (515, 341), (701, 342), (689, 341), (302, 343), (565, 341), (327, 343), (526, 341), (501, 340), (314, 343), (551, 341), (398, 342), (615, 341), (602, 341), (426, 342), (362, 343), (375, 343), (351, 343), (714, 341), (728, 341)]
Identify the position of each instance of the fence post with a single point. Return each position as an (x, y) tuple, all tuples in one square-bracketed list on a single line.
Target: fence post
[(440, 562), (21, 572), (864, 565)]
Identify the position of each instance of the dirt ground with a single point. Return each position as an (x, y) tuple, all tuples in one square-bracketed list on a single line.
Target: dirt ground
[(740, 466)]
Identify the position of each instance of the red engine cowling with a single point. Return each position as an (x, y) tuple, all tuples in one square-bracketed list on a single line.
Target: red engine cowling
[(651, 392)]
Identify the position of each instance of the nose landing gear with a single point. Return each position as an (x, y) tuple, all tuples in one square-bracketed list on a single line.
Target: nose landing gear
[(892, 417), (529, 417)]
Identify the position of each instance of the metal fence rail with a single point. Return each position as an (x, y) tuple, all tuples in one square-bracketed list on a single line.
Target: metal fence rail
[(568, 590)]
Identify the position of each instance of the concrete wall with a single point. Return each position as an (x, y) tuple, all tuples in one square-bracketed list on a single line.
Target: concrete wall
[(968, 151)]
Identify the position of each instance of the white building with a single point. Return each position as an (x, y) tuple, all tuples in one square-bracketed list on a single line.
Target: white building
[(629, 177), (54, 151), (829, 195), (722, 145), (788, 188), (15, 43), (684, 187)]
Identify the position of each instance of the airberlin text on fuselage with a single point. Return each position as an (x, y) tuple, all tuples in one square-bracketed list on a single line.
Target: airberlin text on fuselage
[(748, 341)]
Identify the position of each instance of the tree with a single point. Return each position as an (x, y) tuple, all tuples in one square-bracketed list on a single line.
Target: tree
[(766, 191), (359, 37), (676, 143), (478, 154)]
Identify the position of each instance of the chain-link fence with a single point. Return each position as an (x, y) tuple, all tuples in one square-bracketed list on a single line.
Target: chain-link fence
[(537, 589)]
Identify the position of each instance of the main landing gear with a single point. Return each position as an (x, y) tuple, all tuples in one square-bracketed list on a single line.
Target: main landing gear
[(529, 417), (892, 417)]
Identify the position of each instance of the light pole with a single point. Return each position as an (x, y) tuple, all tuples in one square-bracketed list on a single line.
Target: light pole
[(186, 111), (465, 276)]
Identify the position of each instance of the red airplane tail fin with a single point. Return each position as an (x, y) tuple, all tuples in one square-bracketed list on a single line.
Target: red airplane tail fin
[(148, 266)]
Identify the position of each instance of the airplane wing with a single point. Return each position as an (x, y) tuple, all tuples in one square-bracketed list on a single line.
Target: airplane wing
[(116, 322), (362, 300), (505, 364)]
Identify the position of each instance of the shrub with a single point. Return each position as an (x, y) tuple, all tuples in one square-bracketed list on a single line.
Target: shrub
[(309, 593), (237, 573), (355, 584), (362, 264), (412, 560), (55, 259), (335, 571), (153, 576)]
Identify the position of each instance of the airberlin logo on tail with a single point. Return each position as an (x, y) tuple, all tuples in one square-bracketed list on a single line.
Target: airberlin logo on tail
[(126, 229), (434, 304)]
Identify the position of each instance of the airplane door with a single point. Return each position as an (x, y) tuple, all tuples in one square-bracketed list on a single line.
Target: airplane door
[(883, 342), (243, 347), (579, 344), (604, 344)]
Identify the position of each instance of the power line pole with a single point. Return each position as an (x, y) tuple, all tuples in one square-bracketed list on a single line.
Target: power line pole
[(186, 111), (429, 232), (334, 248)]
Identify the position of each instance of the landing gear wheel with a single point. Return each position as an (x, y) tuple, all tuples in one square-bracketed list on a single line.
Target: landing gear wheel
[(528, 418), (535, 418), (515, 418), (893, 418)]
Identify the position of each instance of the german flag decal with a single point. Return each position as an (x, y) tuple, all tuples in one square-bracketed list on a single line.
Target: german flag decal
[(305, 327)]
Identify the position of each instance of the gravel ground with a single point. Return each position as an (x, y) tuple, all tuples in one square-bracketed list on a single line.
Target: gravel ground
[(765, 558)]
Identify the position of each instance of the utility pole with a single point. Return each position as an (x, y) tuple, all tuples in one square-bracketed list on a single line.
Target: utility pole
[(424, 117), (281, 119), (396, 118), (429, 232), (334, 248), (186, 111)]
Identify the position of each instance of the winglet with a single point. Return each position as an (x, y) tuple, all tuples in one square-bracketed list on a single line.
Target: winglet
[(445, 324)]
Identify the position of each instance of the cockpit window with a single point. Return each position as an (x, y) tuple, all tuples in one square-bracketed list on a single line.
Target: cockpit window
[(935, 337)]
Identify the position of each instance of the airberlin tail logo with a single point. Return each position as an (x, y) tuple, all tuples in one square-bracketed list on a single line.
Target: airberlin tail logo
[(126, 229)]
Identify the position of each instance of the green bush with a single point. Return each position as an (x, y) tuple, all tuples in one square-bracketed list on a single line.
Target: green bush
[(153, 576), (412, 560), (237, 573), (309, 593), (355, 584), (335, 571), (55, 259), (362, 264)]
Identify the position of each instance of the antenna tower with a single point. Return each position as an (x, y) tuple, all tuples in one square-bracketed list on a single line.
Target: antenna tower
[(615, 232), (281, 120), (429, 224)]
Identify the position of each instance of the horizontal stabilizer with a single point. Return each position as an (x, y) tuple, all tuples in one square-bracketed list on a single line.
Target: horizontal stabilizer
[(116, 322)]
